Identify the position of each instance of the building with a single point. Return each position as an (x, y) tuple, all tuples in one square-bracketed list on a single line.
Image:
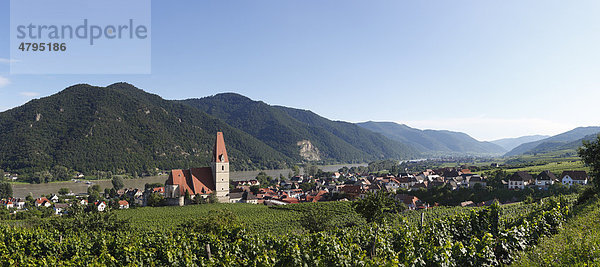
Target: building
[(545, 179), (569, 178), (201, 181), (519, 180), (123, 204)]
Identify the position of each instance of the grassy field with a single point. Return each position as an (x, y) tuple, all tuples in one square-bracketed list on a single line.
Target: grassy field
[(577, 243), (555, 167)]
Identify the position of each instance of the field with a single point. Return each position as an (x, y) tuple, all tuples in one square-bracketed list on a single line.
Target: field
[(286, 219), (555, 167)]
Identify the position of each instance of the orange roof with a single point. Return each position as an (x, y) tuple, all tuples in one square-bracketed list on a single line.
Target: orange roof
[(41, 200), (195, 181), (123, 203), (220, 153), (290, 200)]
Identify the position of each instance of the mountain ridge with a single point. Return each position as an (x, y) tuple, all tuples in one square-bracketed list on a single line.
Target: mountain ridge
[(554, 143), (433, 140)]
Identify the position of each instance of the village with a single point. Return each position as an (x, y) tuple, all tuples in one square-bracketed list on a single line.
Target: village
[(302, 188), (212, 185)]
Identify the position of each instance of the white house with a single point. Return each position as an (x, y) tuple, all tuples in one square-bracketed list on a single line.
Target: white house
[(574, 177), (545, 179), (123, 204), (519, 180), (101, 206)]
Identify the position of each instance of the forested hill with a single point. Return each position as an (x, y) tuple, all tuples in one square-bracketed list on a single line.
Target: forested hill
[(433, 140), (285, 128), (567, 141), (119, 127)]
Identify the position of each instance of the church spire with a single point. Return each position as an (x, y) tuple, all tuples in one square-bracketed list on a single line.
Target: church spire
[(219, 152)]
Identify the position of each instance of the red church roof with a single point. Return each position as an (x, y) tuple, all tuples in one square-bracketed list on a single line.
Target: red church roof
[(219, 152), (195, 181)]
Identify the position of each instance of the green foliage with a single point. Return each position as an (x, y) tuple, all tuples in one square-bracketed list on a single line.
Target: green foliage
[(155, 200), (590, 154), (376, 205), (63, 191), (218, 222), (5, 190), (474, 239), (121, 129), (117, 182), (281, 128)]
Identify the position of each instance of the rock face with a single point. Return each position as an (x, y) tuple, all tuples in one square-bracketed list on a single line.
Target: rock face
[(308, 151)]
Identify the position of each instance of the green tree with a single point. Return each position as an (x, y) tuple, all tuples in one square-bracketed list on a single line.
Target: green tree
[(5, 190), (590, 154), (212, 198), (376, 205), (154, 200), (63, 191), (117, 182)]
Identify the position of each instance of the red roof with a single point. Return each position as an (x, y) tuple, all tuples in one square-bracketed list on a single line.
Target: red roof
[(41, 200), (290, 200), (195, 181), (158, 189), (123, 203), (219, 152)]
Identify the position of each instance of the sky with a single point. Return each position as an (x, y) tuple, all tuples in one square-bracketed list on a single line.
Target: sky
[(491, 69)]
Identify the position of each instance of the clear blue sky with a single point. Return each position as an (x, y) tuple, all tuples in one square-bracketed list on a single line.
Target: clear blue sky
[(492, 69)]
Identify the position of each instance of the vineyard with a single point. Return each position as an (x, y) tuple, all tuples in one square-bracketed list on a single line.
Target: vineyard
[(240, 235), (474, 239), (257, 218)]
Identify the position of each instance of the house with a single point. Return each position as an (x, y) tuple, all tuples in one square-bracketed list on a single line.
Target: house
[(123, 204), (476, 179), (250, 198), (7, 203), (60, 208), (519, 180), (354, 191), (545, 179), (201, 181), (404, 182), (410, 201), (569, 178), (54, 198), (101, 206), (83, 202), (236, 197), (42, 201)]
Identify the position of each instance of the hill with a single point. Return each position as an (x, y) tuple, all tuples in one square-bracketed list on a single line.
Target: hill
[(433, 140), (510, 143), (565, 141), (301, 134), (119, 128)]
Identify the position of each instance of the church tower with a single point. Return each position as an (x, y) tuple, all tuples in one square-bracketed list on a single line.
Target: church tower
[(220, 169)]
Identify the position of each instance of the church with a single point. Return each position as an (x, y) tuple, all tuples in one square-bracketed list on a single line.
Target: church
[(201, 181)]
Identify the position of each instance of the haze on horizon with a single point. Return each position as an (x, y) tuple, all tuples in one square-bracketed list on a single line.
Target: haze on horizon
[(490, 69)]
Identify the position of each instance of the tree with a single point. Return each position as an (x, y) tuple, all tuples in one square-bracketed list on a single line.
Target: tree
[(5, 190), (117, 182), (376, 205), (154, 200), (590, 154), (212, 198), (63, 191)]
